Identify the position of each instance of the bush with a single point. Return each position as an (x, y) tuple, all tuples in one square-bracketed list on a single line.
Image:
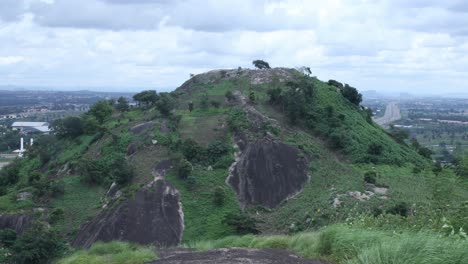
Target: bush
[(229, 96), (237, 120), (216, 150), (191, 182), (9, 174), (241, 222), (37, 245), (401, 208), (191, 150), (370, 177), (165, 104), (7, 237), (56, 215), (219, 196), (122, 172), (71, 126), (184, 169)]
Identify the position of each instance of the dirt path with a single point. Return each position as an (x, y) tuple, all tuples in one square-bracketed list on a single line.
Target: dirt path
[(231, 256), (392, 113)]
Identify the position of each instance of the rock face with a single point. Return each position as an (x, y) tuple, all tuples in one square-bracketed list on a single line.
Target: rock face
[(152, 216), (19, 222), (230, 256), (268, 172)]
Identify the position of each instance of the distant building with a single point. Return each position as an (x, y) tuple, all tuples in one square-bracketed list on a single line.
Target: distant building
[(31, 127)]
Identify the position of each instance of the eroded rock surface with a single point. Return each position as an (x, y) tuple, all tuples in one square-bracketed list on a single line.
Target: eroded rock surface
[(268, 172), (231, 256), (18, 222), (152, 216)]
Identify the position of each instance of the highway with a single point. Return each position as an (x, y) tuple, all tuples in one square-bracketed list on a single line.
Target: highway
[(392, 113)]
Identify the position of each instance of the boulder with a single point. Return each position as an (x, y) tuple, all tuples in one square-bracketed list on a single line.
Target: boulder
[(151, 216), (17, 222), (267, 172)]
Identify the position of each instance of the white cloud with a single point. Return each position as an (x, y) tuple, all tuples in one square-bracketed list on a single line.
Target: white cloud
[(156, 43)]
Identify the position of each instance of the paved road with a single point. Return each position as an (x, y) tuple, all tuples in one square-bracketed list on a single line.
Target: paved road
[(392, 113)]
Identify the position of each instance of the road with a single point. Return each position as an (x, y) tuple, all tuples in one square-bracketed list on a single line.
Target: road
[(392, 113)]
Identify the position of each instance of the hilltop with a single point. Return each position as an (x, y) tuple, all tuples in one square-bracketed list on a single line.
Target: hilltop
[(229, 152)]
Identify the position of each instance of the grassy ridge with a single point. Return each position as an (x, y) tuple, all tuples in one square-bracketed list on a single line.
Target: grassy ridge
[(344, 244), (111, 253)]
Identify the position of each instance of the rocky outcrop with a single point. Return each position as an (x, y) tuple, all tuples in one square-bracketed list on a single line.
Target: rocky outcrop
[(18, 222), (152, 216), (267, 172), (141, 128), (231, 256), (254, 76)]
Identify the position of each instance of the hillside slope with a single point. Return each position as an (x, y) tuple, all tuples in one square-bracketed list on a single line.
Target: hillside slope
[(233, 151)]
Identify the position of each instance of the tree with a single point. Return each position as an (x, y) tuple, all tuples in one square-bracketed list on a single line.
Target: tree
[(275, 95), (70, 126), (335, 83), (165, 104), (101, 110), (351, 94), (147, 98), (260, 64), (122, 104)]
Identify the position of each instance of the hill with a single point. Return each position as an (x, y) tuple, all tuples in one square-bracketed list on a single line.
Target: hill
[(271, 151)]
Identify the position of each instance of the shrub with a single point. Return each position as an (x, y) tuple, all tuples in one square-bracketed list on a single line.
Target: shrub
[(71, 126), (237, 120), (191, 150), (216, 150), (401, 208), (165, 104), (37, 245), (191, 182), (229, 96), (101, 110), (215, 104), (219, 196), (370, 177), (7, 237), (241, 222), (56, 215), (10, 173), (184, 169)]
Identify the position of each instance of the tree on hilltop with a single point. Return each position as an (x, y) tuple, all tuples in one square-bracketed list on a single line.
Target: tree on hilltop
[(260, 64)]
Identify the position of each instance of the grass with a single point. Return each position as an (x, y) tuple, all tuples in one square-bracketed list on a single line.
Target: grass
[(79, 202), (115, 252), (347, 245), (203, 219)]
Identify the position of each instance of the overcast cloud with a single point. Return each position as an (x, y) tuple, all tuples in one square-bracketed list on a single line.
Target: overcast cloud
[(384, 45)]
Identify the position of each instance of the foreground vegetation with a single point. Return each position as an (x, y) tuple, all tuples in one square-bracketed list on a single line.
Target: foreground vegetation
[(111, 253), (348, 245)]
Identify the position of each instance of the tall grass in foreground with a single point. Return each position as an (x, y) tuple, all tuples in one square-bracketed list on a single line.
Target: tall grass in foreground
[(343, 244), (115, 252)]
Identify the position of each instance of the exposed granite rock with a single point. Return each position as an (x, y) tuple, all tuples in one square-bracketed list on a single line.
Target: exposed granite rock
[(230, 256), (141, 128), (18, 222), (267, 172), (152, 216)]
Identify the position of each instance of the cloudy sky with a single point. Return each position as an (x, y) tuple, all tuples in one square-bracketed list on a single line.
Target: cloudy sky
[(384, 45)]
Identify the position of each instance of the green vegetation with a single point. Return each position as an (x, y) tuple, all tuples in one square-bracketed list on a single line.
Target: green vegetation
[(260, 64), (111, 253), (344, 244)]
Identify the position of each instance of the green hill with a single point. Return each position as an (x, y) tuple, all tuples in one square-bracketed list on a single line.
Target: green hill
[(356, 171)]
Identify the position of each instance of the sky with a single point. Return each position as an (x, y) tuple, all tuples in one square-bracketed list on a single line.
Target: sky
[(415, 46)]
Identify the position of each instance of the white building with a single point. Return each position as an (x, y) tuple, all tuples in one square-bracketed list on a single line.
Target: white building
[(34, 127)]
